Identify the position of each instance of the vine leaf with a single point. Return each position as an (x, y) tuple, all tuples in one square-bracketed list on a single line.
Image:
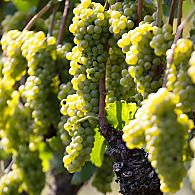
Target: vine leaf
[(84, 175), (45, 154), (26, 6), (98, 150), (119, 113)]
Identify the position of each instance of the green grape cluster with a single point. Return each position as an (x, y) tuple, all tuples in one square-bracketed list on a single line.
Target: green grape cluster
[(65, 90), (162, 39), (165, 131), (178, 79), (41, 87), (29, 164), (87, 64), (104, 176), (16, 124), (62, 64), (124, 14), (64, 135), (191, 171), (10, 183), (18, 21), (191, 70), (114, 66), (14, 63), (144, 66), (5, 95)]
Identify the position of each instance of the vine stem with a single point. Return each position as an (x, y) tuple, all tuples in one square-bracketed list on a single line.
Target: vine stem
[(64, 17), (139, 11), (38, 15), (106, 4), (5, 171), (172, 12), (55, 8), (177, 36), (159, 13), (179, 14), (102, 91)]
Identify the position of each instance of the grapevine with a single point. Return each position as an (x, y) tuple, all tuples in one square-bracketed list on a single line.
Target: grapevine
[(93, 88)]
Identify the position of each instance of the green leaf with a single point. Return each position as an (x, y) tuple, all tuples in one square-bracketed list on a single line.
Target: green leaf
[(119, 113), (128, 111), (98, 150), (26, 5), (45, 154), (84, 175)]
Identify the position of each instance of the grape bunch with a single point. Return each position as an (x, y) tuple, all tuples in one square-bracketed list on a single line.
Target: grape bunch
[(104, 176), (29, 164), (10, 183), (115, 67), (41, 87), (158, 122), (144, 66), (64, 136), (191, 171), (178, 79), (15, 21), (191, 70), (87, 65), (18, 21), (162, 39), (123, 15), (65, 90), (12, 127), (14, 63)]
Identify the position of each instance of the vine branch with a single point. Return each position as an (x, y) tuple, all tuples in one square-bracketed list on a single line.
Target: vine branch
[(172, 12), (179, 14), (159, 13), (64, 17), (177, 36), (38, 15), (55, 8), (139, 11), (102, 91)]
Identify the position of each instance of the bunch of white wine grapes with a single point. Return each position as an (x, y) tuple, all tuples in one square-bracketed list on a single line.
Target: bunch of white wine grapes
[(10, 183), (191, 70), (30, 166), (41, 88), (104, 176), (115, 67), (144, 66), (16, 124), (191, 171), (164, 129), (178, 78), (123, 15), (14, 63), (18, 21), (87, 65)]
